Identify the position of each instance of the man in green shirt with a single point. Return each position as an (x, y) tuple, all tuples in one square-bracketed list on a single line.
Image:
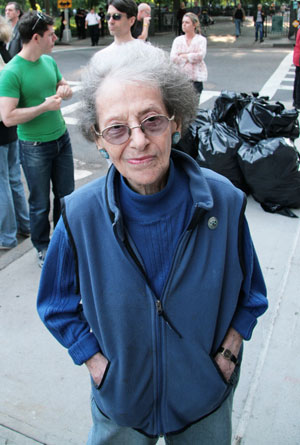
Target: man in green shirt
[(31, 92)]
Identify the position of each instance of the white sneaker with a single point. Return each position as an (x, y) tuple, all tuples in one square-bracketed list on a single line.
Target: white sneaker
[(41, 257)]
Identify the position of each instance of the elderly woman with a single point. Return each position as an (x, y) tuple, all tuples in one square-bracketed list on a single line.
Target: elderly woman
[(151, 278), (188, 51)]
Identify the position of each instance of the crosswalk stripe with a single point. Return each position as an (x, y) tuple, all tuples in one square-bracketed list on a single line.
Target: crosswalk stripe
[(70, 108)]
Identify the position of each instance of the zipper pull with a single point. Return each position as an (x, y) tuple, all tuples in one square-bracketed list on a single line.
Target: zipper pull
[(162, 314), (159, 307)]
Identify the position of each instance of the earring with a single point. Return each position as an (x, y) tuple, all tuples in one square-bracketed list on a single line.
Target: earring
[(104, 153), (176, 137)]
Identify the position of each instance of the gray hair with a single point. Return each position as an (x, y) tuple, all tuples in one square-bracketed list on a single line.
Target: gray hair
[(139, 63)]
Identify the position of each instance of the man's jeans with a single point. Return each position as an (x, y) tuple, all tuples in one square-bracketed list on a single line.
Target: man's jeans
[(237, 26), (45, 162), (214, 429), (13, 206), (259, 29)]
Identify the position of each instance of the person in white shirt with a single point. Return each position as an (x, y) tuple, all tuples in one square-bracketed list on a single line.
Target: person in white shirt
[(188, 51), (93, 23), (121, 16)]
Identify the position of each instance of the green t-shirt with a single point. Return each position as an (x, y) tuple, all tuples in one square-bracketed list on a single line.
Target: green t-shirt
[(31, 83)]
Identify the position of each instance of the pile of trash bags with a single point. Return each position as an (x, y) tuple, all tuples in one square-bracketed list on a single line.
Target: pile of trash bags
[(249, 140)]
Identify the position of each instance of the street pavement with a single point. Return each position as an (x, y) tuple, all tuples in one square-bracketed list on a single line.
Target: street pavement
[(44, 397)]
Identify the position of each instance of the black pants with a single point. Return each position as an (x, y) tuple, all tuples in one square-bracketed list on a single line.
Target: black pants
[(94, 34), (296, 91), (198, 86)]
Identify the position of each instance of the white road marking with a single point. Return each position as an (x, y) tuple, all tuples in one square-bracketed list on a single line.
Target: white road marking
[(286, 87), (208, 94), (71, 120), (80, 173), (273, 83), (70, 108)]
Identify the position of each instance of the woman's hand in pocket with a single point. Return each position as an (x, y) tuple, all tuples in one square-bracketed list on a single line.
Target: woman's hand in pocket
[(97, 365)]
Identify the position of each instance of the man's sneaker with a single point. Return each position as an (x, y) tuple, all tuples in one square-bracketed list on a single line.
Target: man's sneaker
[(3, 247), (41, 257)]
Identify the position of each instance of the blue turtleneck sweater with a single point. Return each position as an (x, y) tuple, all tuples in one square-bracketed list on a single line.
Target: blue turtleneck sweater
[(156, 222)]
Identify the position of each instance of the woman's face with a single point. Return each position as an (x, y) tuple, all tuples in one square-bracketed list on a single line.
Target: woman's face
[(187, 25), (142, 160)]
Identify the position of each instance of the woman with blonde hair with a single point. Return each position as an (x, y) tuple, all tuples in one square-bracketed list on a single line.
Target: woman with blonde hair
[(189, 50)]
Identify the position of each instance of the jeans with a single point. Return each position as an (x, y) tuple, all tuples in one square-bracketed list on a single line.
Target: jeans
[(259, 29), (296, 91), (214, 429), (45, 163), (13, 206), (237, 26)]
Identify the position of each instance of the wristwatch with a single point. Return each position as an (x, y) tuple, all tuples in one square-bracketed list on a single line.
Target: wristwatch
[(228, 355)]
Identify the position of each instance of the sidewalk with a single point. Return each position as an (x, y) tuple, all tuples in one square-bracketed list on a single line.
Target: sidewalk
[(44, 397), (221, 34)]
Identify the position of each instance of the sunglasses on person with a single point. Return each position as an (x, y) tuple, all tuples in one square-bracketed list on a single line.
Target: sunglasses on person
[(115, 16), (119, 133), (40, 16)]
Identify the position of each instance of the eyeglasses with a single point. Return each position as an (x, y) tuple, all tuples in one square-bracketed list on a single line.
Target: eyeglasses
[(115, 16), (120, 133), (40, 16)]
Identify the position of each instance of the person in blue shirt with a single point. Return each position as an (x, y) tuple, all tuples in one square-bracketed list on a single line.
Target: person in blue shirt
[(151, 278)]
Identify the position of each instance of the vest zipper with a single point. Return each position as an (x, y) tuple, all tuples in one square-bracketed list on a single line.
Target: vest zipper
[(162, 314)]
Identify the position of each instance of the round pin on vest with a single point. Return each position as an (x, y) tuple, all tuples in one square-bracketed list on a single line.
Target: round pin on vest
[(212, 223)]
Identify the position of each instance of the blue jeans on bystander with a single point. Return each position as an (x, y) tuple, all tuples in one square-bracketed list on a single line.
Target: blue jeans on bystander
[(259, 29), (13, 206), (45, 163), (237, 27)]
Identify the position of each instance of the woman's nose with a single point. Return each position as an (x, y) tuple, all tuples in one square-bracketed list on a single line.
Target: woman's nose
[(138, 139)]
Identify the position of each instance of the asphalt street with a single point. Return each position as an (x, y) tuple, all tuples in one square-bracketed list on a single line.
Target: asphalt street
[(44, 397)]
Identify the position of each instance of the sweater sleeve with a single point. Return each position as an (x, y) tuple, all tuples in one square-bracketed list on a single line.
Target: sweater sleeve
[(200, 53), (253, 298), (58, 304), (175, 50)]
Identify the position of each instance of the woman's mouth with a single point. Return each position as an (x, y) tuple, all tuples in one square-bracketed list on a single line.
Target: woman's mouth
[(141, 160)]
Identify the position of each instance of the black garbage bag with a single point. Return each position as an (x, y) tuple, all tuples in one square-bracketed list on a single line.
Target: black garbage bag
[(248, 126), (282, 124), (271, 169), (255, 117), (188, 144), (227, 105), (189, 141), (217, 150), (261, 120), (203, 118)]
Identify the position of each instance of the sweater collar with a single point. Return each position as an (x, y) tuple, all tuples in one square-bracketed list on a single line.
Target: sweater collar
[(199, 188)]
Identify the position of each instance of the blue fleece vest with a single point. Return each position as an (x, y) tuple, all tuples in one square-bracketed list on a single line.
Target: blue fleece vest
[(162, 376)]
